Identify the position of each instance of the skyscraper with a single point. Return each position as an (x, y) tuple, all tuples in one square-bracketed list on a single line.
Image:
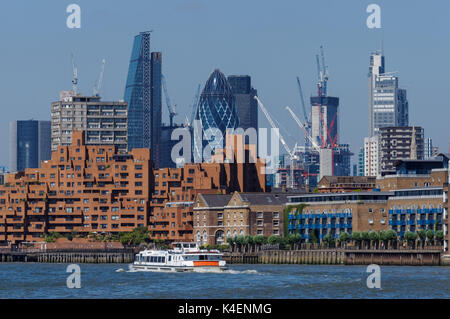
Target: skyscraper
[(143, 94), (216, 112), (388, 105), (324, 124), (244, 94), (29, 144)]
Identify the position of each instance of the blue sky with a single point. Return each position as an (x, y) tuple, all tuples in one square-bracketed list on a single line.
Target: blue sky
[(273, 41)]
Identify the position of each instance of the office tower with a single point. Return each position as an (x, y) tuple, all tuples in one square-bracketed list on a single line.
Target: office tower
[(156, 109), (429, 149), (143, 94), (324, 120), (361, 162), (388, 104), (400, 143), (167, 144), (105, 123), (244, 95), (216, 113), (371, 156), (29, 144)]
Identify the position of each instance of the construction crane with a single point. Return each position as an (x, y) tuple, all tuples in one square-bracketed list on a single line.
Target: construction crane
[(172, 111), (308, 136), (194, 105), (75, 76), (291, 154), (98, 84)]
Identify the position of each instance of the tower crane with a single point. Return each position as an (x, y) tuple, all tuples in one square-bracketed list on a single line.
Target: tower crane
[(172, 110), (75, 75), (308, 136), (291, 153), (194, 104), (98, 84)]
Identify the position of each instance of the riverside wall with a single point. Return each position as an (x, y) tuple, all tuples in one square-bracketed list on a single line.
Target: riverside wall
[(119, 256), (340, 257)]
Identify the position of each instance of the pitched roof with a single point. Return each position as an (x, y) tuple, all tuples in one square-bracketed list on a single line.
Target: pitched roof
[(216, 200), (265, 198)]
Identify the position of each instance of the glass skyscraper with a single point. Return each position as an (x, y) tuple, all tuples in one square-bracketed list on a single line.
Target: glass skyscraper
[(143, 94), (30, 143), (216, 112)]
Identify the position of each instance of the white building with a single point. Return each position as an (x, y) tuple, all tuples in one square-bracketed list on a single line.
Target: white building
[(371, 156), (388, 105)]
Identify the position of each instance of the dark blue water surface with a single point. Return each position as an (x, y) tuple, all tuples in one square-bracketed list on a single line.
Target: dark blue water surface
[(30, 280)]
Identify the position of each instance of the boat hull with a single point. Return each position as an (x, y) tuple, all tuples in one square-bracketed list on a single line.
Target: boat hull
[(177, 268)]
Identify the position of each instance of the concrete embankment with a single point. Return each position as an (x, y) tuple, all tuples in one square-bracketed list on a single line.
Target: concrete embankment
[(119, 256), (340, 257)]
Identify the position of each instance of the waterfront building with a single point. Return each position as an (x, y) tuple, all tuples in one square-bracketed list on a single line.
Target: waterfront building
[(95, 189), (335, 213), (342, 184), (143, 95), (445, 216), (416, 174), (416, 209), (29, 144), (396, 143), (218, 217), (247, 106), (388, 104), (371, 156), (217, 113), (105, 123), (83, 188)]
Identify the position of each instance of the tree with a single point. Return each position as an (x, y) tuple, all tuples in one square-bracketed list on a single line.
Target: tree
[(440, 236), (343, 238), (410, 237), (365, 238), (430, 236), (356, 237), (422, 236), (374, 237), (273, 239), (392, 237)]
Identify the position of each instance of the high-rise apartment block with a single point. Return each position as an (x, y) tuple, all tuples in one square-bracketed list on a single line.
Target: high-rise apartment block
[(371, 156), (105, 123), (143, 95), (388, 104), (244, 94), (397, 143), (29, 144)]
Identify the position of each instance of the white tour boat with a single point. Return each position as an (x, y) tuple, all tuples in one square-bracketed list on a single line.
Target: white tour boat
[(183, 257)]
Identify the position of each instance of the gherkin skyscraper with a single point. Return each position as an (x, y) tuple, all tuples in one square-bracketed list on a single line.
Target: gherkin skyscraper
[(216, 112)]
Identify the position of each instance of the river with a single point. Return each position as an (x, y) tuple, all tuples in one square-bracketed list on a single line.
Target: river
[(35, 280)]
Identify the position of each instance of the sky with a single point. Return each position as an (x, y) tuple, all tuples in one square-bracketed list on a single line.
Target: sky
[(272, 41)]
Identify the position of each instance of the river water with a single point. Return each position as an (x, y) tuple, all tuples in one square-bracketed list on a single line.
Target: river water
[(34, 280)]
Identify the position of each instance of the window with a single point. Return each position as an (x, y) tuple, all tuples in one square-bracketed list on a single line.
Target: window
[(275, 215)]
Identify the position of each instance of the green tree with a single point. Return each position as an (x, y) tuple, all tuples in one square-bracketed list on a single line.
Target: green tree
[(374, 238), (430, 236), (356, 237), (273, 240), (365, 238), (343, 238), (440, 236), (422, 236), (410, 237)]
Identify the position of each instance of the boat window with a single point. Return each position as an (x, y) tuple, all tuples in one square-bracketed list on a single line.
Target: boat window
[(203, 257), (186, 245), (136, 258), (142, 258), (170, 258)]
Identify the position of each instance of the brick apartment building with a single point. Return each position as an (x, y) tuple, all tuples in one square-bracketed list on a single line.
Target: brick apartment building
[(87, 188), (340, 184), (218, 217)]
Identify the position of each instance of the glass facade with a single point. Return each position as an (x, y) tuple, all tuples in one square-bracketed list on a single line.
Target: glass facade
[(143, 94), (29, 144), (217, 112)]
